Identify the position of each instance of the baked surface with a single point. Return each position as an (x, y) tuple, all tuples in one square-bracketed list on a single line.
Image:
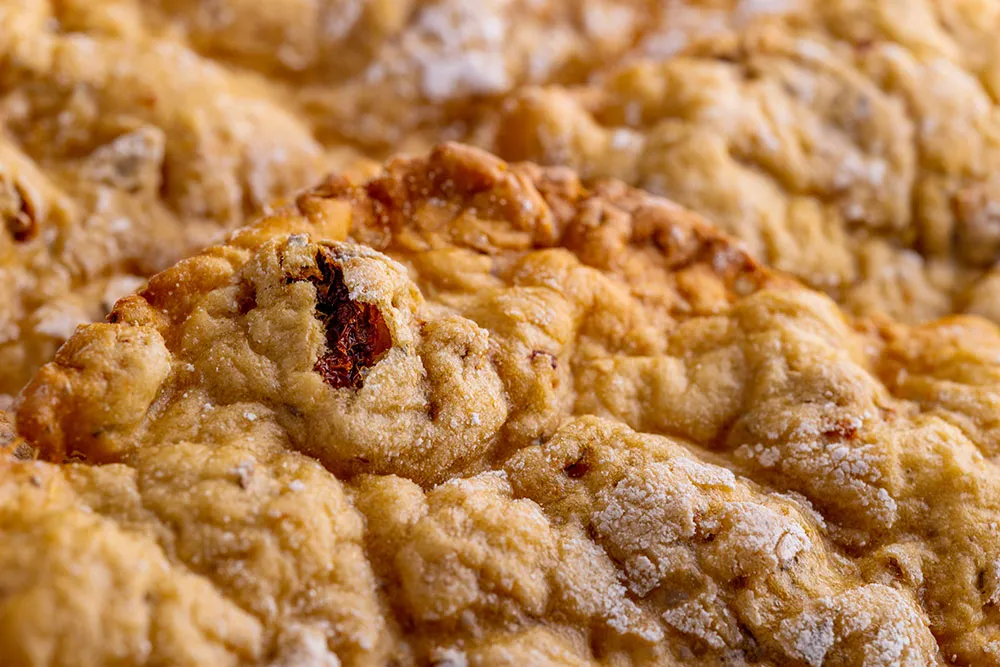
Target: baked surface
[(118, 156), (135, 132), (854, 144), (476, 413)]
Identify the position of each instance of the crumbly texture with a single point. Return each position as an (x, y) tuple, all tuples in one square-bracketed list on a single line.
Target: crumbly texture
[(471, 413), (454, 60), (851, 143), (117, 158), (135, 132), (854, 144)]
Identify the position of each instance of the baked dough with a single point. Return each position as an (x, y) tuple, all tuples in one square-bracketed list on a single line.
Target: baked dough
[(469, 412), (135, 132), (854, 144)]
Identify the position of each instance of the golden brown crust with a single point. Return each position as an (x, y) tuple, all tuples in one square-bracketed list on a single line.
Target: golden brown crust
[(134, 133), (850, 143), (476, 413), (119, 156), (602, 434), (831, 137)]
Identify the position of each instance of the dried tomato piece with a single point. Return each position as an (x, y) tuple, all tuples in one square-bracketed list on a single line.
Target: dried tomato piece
[(356, 333)]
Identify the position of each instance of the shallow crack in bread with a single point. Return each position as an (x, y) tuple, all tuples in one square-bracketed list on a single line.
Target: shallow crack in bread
[(853, 144), (469, 412)]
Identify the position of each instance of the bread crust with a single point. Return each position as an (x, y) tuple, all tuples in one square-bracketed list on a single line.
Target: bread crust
[(602, 434), (850, 143)]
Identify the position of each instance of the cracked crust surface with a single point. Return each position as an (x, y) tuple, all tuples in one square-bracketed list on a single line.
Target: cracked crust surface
[(601, 434), (851, 143), (118, 157), (133, 132)]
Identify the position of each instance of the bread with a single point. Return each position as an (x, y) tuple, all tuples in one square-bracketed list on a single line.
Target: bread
[(853, 144), (469, 412), (134, 133)]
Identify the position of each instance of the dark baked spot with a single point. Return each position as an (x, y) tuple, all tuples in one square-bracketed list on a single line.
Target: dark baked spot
[(842, 429), (356, 333), (750, 647), (578, 468), (16, 212), (896, 570), (246, 298)]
